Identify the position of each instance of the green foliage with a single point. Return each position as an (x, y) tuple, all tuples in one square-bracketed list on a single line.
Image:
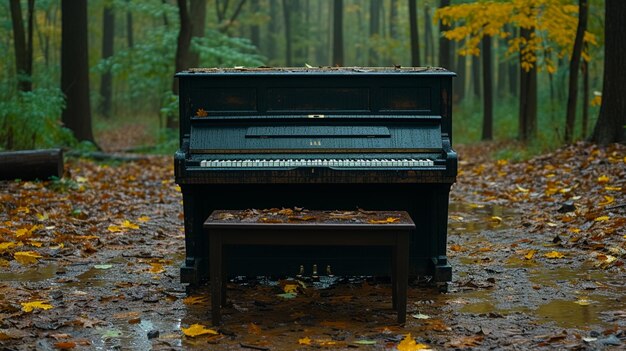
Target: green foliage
[(219, 50), (32, 119)]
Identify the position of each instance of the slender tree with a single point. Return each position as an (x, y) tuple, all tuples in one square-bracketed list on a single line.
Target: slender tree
[(23, 44), (338, 33), (198, 21), (528, 94), (129, 27), (429, 45), (255, 31), (611, 124), (476, 76), (108, 37), (585, 120), (487, 89), (574, 66), (75, 69), (288, 33), (182, 52), (444, 44), (374, 29), (415, 44)]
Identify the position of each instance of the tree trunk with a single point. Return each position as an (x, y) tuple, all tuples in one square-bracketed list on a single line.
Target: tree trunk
[(444, 44), (610, 127), (129, 28), (585, 119), (393, 19), (528, 97), (273, 31), (487, 89), (198, 21), (476, 76), (338, 33), (182, 52), (75, 69), (429, 45), (106, 82), (22, 56), (255, 32), (501, 86), (513, 66), (574, 66), (459, 82), (415, 43), (31, 164), (288, 34), (374, 29)]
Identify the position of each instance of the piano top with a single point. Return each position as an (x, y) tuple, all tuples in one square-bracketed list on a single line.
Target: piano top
[(313, 71)]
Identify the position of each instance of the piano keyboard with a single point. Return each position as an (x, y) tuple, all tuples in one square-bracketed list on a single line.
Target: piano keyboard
[(334, 163)]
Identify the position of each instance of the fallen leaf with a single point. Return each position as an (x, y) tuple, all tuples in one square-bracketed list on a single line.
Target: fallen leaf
[(384, 221), (554, 254), (26, 257), (40, 305), (530, 254), (130, 225), (156, 268), (65, 345), (603, 179), (197, 330), (7, 245), (196, 300), (102, 266), (365, 342), (420, 316), (290, 288), (143, 219), (409, 344), (601, 218), (582, 302), (305, 341), (254, 329), (201, 113)]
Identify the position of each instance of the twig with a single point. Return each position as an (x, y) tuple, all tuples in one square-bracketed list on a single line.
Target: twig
[(623, 204)]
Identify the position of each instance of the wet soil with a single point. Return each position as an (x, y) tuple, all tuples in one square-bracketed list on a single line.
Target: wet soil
[(112, 286)]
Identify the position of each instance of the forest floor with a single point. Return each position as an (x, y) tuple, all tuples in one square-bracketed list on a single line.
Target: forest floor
[(91, 261)]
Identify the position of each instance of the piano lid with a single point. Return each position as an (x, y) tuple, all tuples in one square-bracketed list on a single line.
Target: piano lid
[(233, 139)]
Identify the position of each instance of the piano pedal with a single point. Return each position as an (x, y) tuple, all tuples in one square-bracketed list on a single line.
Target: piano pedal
[(301, 272), (314, 275)]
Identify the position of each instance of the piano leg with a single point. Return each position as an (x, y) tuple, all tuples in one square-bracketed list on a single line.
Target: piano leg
[(195, 269), (442, 270)]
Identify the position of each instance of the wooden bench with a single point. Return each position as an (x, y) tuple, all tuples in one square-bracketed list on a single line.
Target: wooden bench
[(372, 228)]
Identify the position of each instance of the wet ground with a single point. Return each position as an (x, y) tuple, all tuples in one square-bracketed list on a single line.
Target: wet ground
[(120, 290)]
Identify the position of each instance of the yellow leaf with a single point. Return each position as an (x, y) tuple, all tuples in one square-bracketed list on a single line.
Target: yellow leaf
[(496, 219), (305, 341), (113, 228), (602, 219), (197, 330), (574, 230), (523, 190), (603, 179), (195, 300), (128, 224), (30, 306), (409, 344), (613, 188), (530, 254), (26, 257), (290, 288), (143, 219), (554, 254), (35, 243), (42, 217), (6, 246), (156, 268), (23, 209), (607, 200), (383, 221), (201, 113)]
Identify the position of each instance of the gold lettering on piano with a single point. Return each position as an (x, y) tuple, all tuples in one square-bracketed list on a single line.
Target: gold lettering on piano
[(315, 142)]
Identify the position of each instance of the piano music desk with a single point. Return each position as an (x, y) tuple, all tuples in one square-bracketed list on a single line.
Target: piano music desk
[(227, 228)]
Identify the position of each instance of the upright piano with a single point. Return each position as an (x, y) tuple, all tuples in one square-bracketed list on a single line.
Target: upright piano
[(317, 138)]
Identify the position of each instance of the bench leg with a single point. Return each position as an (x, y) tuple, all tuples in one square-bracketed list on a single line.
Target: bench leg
[(402, 274), (215, 263)]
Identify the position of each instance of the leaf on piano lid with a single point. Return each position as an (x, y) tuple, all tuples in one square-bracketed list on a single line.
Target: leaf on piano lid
[(384, 221), (286, 212), (270, 220), (201, 113)]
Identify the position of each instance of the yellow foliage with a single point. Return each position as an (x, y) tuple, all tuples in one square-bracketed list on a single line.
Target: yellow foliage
[(26, 257), (197, 330), (30, 306), (305, 341), (554, 254), (7, 245), (409, 344), (553, 20)]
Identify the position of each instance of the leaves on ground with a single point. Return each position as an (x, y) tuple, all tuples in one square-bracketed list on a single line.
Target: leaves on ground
[(409, 344), (35, 305), (197, 330)]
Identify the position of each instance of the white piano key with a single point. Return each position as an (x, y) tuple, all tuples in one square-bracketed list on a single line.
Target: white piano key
[(203, 163)]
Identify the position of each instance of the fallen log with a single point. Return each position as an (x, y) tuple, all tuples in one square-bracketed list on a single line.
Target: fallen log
[(31, 164)]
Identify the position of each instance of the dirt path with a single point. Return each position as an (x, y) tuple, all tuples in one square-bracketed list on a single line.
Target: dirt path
[(91, 262)]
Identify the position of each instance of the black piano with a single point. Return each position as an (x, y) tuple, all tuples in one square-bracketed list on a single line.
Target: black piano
[(317, 138)]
